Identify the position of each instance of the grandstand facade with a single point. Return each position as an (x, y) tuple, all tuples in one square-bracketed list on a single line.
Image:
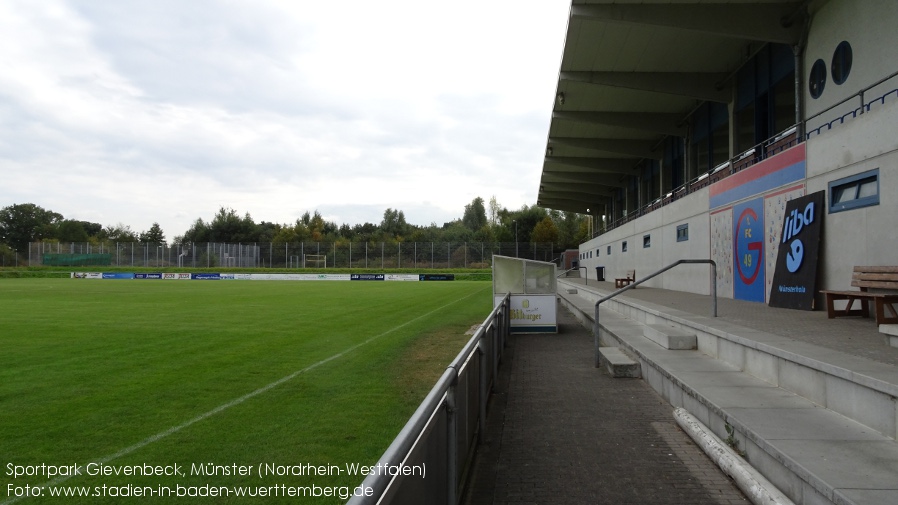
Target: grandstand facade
[(684, 129)]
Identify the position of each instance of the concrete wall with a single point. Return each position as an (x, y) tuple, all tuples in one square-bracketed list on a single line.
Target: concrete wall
[(869, 26), (863, 236), (661, 228)]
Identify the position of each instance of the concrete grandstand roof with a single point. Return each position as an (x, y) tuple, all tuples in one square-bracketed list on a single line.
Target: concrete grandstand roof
[(632, 72)]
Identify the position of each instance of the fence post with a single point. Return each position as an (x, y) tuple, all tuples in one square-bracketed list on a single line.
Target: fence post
[(484, 393), (452, 442)]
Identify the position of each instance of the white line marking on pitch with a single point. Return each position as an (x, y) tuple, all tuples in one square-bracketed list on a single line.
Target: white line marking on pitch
[(237, 401)]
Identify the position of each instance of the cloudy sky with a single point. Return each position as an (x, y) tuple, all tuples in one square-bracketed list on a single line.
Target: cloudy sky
[(166, 110)]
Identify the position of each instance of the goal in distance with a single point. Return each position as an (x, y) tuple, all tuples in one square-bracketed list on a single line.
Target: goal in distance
[(314, 261)]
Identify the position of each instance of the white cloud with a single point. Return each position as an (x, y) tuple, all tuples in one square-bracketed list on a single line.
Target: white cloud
[(137, 112)]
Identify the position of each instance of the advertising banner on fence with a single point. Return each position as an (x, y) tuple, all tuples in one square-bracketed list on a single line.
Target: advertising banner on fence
[(437, 277), (176, 277), (532, 313), (403, 277), (117, 275), (87, 275), (205, 277), (367, 277), (216, 276)]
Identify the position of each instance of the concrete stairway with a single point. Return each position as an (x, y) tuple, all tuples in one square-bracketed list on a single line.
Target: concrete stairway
[(819, 424)]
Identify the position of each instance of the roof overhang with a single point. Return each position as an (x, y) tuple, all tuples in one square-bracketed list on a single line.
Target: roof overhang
[(632, 74)]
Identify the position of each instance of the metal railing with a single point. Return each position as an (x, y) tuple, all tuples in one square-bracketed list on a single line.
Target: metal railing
[(862, 107), (585, 277), (446, 427), (789, 137), (596, 329)]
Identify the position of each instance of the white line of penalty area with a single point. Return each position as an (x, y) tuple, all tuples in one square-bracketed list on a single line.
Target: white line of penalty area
[(237, 401)]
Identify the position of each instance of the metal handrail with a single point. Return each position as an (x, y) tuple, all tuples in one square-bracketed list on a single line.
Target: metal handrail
[(565, 272), (597, 329), (443, 392), (585, 277)]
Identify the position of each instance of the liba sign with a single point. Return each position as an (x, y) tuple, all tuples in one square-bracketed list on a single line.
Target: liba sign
[(795, 277)]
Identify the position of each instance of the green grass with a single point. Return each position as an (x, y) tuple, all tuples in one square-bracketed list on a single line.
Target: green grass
[(89, 368)]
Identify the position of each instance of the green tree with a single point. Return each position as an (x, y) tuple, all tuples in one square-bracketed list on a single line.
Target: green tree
[(27, 222), (153, 236), (228, 227), (495, 208), (92, 229), (118, 233), (197, 233), (70, 230), (474, 217), (393, 223), (545, 231)]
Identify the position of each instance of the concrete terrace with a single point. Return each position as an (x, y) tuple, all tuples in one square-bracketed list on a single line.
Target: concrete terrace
[(811, 402)]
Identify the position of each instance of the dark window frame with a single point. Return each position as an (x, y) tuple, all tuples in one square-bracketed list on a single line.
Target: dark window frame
[(854, 182)]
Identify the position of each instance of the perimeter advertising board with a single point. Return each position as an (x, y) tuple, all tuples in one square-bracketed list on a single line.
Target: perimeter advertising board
[(531, 288), (532, 313)]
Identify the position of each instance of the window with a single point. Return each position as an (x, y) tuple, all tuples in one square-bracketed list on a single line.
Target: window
[(646, 241), (683, 232), (609, 251), (817, 80), (861, 190), (841, 65), (598, 251), (623, 246)]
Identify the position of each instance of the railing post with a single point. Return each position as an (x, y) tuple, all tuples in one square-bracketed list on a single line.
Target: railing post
[(452, 442), (484, 381), (595, 336)]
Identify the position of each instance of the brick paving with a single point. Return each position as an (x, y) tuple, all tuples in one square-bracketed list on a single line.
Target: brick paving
[(560, 431)]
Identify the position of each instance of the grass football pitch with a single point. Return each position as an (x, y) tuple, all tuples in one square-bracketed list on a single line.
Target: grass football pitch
[(102, 379)]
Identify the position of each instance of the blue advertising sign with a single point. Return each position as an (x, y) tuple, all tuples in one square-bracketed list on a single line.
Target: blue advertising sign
[(148, 276), (437, 277), (205, 277), (366, 277), (748, 254), (117, 275)]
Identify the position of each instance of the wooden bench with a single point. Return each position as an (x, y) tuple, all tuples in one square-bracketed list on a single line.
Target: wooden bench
[(630, 278), (866, 278)]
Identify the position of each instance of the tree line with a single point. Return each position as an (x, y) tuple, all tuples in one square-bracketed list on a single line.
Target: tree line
[(480, 222)]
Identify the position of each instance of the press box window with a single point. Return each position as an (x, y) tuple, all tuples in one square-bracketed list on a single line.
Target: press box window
[(861, 190), (683, 232)]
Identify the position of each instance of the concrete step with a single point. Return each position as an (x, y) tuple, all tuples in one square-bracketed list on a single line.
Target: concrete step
[(891, 333), (670, 337), (821, 433), (618, 363)]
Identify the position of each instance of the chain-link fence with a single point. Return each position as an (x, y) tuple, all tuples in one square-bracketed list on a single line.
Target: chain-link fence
[(317, 255)]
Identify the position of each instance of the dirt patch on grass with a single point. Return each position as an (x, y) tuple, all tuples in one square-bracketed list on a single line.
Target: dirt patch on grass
[(425, 360)]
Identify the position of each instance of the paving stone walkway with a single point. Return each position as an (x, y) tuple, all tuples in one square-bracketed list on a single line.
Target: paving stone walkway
[(562, 432)]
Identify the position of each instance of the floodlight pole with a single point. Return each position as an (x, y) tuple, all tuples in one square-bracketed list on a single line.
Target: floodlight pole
[(515, 221)]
